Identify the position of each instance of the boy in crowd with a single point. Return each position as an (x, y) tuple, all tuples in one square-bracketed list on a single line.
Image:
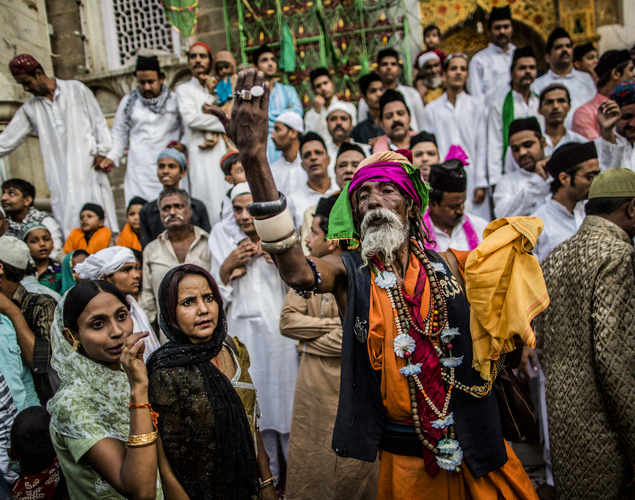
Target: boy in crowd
[(91, 235), (129, 236)]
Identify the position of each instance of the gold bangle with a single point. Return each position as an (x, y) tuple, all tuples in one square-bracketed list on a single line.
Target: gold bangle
[(142, 439), (267, 482)]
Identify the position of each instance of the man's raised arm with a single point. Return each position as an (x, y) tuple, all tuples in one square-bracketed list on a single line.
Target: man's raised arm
[(248, 129)]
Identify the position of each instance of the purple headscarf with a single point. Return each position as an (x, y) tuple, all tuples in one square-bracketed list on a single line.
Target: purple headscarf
[(388, 171)]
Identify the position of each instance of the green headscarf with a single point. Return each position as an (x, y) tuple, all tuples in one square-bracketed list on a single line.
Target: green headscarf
[(68, 280)]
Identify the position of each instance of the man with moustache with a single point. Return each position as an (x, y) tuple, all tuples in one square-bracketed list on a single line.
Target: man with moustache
[(180, 243), (521, 192), (490, 67), (282, 98), (573, 168), (371, 87), (459, 119), (424, 153), (395, 119), (148, 120), (554, 107), (206, 180), (559, 57), (388, 69), (379, 213), (253, 294), (519, 102), (340, 123)]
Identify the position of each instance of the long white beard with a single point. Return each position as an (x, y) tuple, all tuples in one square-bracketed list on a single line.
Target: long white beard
[(433, 83), (384, 239)]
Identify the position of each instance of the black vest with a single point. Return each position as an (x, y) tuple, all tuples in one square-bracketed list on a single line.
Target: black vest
[(361, 415)]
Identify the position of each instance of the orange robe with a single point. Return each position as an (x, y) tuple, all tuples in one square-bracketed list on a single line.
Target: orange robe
[(77, 240), (127, 238), (405, 478)]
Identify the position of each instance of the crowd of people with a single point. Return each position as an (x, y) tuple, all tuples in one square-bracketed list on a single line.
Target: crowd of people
[(235, 339)]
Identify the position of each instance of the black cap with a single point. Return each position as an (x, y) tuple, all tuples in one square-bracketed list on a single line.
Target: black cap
[(610, 60), (555, 34), (581, 50), (366, 80), (318, 72), (325, 205), (150, 63), (137, 200), (263, 49), (448, 176), (500, 14), (311, 136), (349, 146), (569, 155), (93, 207), (389, 96), (521, 124), (422, 137), (520, 52)]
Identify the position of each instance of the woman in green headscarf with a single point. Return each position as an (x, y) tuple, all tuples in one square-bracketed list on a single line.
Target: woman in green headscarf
[(101, 422)]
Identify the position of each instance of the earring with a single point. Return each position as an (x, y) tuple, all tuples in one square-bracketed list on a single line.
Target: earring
[(76, 343)]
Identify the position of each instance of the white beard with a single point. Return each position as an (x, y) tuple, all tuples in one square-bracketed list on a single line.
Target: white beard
[(385, 239), (433, 83)]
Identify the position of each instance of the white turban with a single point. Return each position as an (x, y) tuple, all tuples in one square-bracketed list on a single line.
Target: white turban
[(428, 56), (105, 262), (339, 106)]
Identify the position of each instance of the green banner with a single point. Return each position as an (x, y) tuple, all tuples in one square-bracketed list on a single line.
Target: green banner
[(182, 15)]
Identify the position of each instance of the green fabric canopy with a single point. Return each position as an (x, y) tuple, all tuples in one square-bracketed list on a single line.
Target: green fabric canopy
[(182, 15)]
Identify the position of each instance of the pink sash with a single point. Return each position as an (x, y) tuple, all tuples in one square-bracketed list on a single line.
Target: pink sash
[(470, 233)]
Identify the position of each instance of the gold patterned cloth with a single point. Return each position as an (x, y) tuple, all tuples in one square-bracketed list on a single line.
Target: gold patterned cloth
[(505, 289), (586, 345)]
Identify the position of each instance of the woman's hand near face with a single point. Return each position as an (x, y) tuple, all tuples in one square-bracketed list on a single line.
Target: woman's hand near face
[(133, 364)]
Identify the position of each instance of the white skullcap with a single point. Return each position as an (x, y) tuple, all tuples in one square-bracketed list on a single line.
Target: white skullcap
[(428, 56), (104, 262), (291, 120), (14, 252), (339, 106), (238, 189)]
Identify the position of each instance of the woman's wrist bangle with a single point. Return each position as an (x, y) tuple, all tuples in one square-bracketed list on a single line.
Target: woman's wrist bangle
[(267, 482), (136, 440)]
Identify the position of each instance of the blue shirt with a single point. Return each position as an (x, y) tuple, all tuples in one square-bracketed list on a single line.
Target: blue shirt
[(283, 98), (17, 375)]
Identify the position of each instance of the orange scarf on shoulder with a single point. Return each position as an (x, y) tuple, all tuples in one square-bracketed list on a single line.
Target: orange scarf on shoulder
[(127, 238), (77, 240)]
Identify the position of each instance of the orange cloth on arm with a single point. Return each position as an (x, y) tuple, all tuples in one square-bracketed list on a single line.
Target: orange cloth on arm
[(127, 238), (505, 289), (77, 240), (405, 478)]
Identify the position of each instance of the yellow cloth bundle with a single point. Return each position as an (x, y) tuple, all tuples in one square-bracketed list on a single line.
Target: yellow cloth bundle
[(505, 289)]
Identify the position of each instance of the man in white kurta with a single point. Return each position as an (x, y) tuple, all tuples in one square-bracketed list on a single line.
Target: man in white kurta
[(489, 69), (207, 181), (446, 222), (253, 295), (559, 56), (148, 119), (287, 170), (518, 102), (457, 118), (521, 192), (74, 138), (325, 97)]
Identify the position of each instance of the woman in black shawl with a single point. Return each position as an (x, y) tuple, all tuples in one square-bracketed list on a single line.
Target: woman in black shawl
[(193, 383)]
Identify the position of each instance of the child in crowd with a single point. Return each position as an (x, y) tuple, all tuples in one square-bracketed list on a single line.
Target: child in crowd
[(234, 174), (69, 277), (91, 235), (32, 448), (129, 236), (432, 37), (38, 238)]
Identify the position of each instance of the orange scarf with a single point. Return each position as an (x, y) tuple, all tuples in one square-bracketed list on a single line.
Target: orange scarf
[(127, 238), (77, 240)]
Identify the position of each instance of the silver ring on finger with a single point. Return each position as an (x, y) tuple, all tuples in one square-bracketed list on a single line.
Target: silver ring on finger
[(257, 91), (245, 95)]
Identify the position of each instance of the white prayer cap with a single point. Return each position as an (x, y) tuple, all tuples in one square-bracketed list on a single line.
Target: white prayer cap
[(339, 106), (104, 262), (14, 252), (238, 189), (291, 120), (428, 56)]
